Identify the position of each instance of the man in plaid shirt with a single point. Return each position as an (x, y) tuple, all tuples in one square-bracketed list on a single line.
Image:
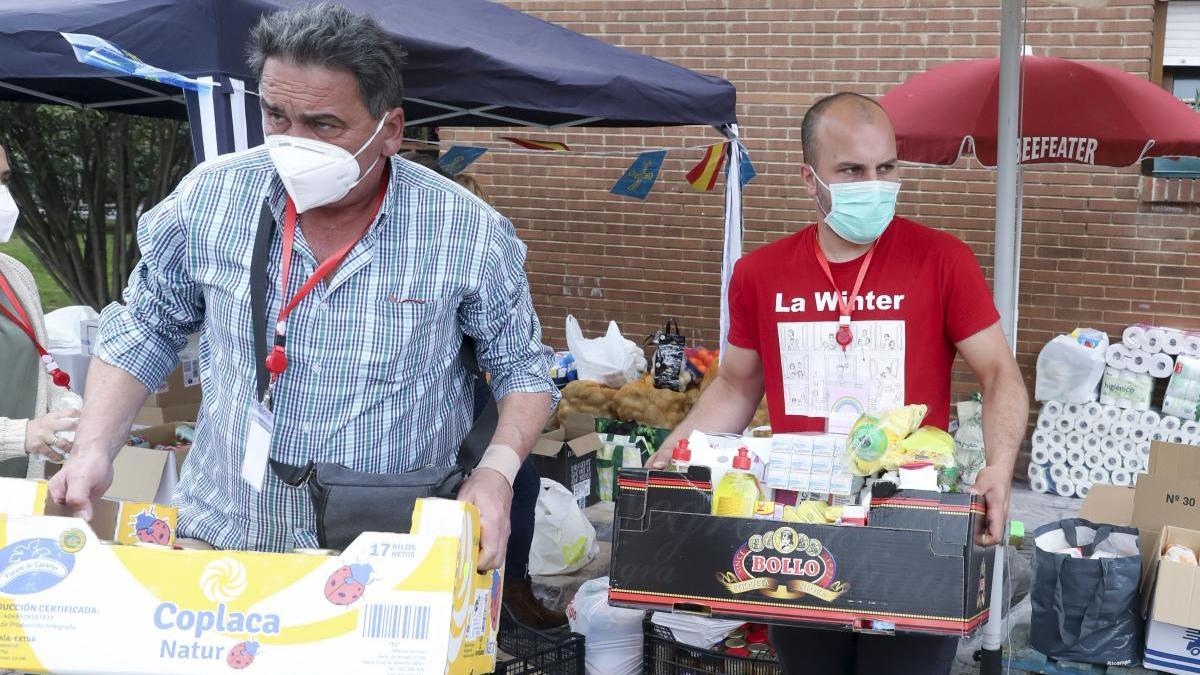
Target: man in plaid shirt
[(402, 265)]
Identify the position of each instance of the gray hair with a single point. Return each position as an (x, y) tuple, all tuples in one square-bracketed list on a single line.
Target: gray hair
[(329, 35)]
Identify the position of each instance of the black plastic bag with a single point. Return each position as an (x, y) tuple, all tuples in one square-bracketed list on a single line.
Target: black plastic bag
[(668, 357), (1087, 609)]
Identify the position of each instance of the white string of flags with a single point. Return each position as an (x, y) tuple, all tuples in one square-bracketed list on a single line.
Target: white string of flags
[(636, 182)]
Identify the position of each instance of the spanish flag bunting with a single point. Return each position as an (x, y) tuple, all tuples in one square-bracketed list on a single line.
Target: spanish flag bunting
[(703, 176), (530, 144)]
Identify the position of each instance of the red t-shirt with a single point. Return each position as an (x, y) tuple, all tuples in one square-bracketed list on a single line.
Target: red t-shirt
[(923, 291)]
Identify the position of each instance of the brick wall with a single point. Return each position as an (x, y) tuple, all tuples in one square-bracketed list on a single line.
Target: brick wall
[(1101, 248)]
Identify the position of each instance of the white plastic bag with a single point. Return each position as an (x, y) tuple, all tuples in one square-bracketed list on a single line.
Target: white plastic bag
[(1068, 371), (564, 540), (969, 453), (610, 360), (63, 329), (613, 634)]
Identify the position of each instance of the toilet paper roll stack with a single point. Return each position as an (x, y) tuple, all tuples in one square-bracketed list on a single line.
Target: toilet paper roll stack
[(1120, 357), (1076, 446), (1191, 345), (1167, 340), (1134, 337)]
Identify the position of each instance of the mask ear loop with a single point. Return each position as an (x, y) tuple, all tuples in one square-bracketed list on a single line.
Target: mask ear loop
[(824, 213), (370, 140)]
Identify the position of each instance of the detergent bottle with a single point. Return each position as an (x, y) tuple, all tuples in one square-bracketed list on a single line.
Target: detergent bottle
[(738, 490)]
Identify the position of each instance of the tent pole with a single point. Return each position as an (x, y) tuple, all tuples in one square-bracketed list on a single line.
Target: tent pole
[(732, 249), (1004, 275)]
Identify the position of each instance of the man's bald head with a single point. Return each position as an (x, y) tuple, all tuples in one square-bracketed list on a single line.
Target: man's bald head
[(845, 109)]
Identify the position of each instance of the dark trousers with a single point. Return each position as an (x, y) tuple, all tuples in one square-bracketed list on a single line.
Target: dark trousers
[(526, 486), (805, 651)]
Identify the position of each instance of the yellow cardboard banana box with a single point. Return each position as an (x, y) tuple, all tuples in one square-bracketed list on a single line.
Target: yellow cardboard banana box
[(395, 604)]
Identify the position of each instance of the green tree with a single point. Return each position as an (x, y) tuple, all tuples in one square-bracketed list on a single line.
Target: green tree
[(82, 178)]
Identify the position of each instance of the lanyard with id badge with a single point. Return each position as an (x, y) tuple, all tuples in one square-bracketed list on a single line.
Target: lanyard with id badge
[(839, 369), (345, 501), (847, 383), (261, 413)]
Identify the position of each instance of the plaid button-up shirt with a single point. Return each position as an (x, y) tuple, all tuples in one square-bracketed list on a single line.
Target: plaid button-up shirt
[(374, 381)]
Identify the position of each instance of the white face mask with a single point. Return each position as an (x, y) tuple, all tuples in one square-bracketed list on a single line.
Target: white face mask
[(316, 173), (8, 214)]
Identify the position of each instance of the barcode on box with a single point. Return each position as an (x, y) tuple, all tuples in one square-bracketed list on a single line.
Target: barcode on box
[(191, 372), (395, 622)]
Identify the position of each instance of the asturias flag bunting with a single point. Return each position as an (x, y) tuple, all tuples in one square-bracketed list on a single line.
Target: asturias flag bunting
[(640, 176), (101, 53), (455, 160), (746, 170), (703, 176), (530, 144)]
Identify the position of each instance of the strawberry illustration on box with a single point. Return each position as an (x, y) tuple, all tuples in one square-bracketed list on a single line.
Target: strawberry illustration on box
[(346, 585), (242, 655), (152, 529), (150, 524)]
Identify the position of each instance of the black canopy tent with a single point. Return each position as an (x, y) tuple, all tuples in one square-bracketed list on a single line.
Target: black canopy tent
[(470, 63)]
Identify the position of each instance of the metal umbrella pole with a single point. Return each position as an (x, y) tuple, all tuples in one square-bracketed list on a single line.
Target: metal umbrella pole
[(1004, 275)]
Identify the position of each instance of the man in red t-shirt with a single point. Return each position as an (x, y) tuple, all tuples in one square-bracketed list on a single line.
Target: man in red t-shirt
[(862, 307)]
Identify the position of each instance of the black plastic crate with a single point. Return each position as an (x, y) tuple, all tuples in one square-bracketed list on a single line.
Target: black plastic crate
[(663, 655), (535, 652)]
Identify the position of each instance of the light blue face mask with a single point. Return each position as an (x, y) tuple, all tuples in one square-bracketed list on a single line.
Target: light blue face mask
[(860, 212)]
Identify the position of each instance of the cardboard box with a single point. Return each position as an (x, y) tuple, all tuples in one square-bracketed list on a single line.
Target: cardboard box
[(113, 520), (153, 415), (1168, 495), (1173, 623), (182, 386), (916, 568), (143, 474), (567, 455), (395, 604)]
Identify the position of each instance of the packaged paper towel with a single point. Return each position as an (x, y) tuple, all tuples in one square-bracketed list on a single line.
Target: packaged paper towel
[(1182, 398)]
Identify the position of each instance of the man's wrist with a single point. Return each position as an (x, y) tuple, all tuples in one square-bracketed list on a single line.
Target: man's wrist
[(503, 460)]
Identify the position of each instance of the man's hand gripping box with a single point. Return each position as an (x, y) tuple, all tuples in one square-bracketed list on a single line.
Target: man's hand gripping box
[(398, 604)]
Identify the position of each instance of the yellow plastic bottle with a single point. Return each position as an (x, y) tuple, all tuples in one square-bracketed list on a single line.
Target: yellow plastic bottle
[(738, 490)]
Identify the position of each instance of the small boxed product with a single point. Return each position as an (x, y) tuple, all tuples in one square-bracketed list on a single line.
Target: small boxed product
[(568, 455)]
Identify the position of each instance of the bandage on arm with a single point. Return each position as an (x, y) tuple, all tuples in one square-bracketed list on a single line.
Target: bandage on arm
[(503, 460)]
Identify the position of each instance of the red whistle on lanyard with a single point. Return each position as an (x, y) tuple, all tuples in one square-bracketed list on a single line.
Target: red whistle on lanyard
[(19, 317), (846, 304), (844, 336)]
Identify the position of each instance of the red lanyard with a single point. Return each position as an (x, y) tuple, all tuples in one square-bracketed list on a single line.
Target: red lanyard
[(277, 360), (844, 336), (21, 319)]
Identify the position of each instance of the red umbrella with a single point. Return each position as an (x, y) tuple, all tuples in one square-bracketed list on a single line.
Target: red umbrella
[(1071, 112)]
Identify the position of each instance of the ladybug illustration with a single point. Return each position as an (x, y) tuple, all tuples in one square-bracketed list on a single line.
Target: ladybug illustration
[(497, 594), (346, 585), (152, 530), (242, 655)]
